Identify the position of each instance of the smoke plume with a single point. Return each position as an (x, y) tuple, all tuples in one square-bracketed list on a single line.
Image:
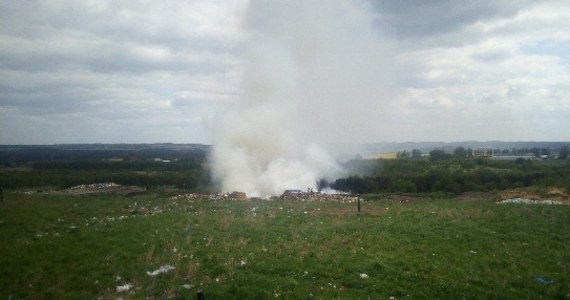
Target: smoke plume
[(307, 64)]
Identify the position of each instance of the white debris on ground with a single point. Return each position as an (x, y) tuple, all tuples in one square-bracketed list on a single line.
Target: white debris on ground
[(316, 197), (207, 197), (290, 195), (100, 185), (162, 269), (529, 201), (364, 276), (124, 288), (105, 187)]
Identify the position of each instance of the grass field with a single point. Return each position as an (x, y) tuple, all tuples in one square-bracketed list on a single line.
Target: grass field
[(99, 247)]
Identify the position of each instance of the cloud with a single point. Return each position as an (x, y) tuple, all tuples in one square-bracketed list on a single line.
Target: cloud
[(474, 76), (107, 64), (379, 70)]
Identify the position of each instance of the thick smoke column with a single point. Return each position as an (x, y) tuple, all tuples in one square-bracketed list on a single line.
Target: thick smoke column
[(304, 66)]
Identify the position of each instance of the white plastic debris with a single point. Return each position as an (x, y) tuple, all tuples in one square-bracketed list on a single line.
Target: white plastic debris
[(124, 288), (363, 276), (162, 269), (529, 201)]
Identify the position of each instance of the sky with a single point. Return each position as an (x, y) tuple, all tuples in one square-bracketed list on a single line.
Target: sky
[(74, 71)]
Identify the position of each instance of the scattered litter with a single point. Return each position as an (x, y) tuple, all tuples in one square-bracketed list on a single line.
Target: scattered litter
[(363, 276), (472, 252), (162, 269), (545, 281), (187, 286), (529, 201), (124, 288)]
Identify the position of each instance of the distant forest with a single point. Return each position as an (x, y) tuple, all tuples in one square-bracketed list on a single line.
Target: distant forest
[(63, 166), (454, 170), (462, 170)]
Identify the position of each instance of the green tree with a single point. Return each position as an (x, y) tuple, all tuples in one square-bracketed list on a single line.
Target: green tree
[(416, 153), (403, 155), (437, 154), (460, 152), (563, 154), (403, 185)]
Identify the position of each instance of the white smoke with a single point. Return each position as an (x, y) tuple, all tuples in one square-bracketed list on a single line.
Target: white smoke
[(304, 69)]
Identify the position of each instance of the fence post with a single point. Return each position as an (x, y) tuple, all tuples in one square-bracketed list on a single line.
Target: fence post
[(200, 295), (1, 196), (358, 201)]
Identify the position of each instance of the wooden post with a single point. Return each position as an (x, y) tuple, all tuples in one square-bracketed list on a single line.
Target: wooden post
[(200, 295), (1, 196), (358, 201)]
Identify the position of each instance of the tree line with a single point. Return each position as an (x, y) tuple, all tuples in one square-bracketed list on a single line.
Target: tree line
[(190, 172), (455, 172)]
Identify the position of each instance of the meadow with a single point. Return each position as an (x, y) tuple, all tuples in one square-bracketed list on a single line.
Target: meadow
[(154, 247)]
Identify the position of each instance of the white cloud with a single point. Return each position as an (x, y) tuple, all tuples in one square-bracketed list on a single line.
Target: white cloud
[(111, 71), (487, 86), (159, 71)]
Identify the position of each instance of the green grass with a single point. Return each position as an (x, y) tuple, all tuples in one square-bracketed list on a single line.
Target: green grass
[(63, 247)]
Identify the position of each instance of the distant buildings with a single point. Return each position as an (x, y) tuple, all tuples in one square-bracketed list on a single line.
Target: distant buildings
[(162, 160), (529, 156)]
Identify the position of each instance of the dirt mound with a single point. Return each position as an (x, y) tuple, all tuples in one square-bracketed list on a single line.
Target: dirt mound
[(238, 195), (553, 194)]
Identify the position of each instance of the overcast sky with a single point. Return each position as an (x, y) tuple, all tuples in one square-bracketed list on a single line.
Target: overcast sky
[(74, 71)]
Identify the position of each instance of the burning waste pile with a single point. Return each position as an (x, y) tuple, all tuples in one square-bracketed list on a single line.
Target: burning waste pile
[(296, 93), (298, 195), (288, 195), (235, 196)]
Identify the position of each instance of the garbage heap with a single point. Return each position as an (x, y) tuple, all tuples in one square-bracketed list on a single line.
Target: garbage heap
[(297, 195)]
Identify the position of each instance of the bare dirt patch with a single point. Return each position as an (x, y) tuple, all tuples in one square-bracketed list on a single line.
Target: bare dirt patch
[(475, 196), (553, 193)]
